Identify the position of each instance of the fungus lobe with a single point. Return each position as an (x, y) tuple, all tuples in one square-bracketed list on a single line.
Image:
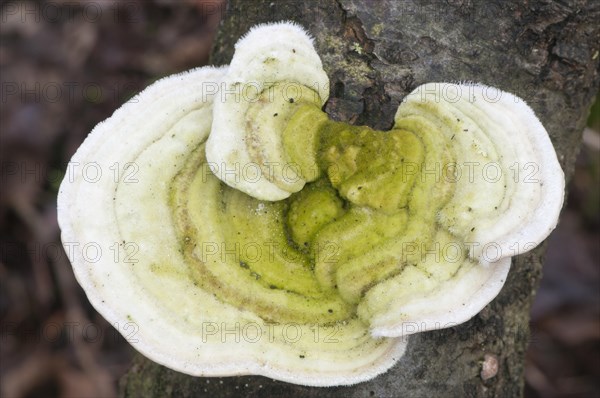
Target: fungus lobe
[(259, 237)]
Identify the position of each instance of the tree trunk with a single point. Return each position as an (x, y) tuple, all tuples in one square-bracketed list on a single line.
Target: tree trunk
[(375, 52)]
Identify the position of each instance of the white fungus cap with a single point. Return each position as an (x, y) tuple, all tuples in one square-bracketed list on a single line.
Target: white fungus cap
[(140, 280), (278, 60)]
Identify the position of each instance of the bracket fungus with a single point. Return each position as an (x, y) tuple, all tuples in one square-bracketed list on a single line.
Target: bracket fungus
[(241, 231)]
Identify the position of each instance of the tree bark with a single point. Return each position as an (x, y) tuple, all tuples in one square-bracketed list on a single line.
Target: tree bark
[(375, 52)]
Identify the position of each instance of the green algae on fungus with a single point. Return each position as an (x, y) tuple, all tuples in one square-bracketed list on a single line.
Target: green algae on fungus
[(271, 240)]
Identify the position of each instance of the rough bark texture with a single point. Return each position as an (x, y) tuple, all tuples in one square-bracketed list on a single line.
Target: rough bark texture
[(377, 52)]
